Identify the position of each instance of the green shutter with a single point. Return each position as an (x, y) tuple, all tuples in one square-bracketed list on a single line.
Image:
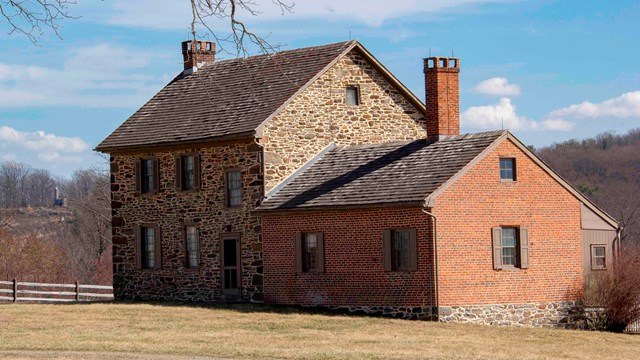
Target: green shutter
[(386, 250), (524, 248), (497, 248)]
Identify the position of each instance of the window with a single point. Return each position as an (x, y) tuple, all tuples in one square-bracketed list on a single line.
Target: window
[(353, 96), (147, 178), (510, 247), (149, 247), (192, 237), (188, 172), (598, 257), (508, 169), (400, 251), (309, 248), (234, 188)]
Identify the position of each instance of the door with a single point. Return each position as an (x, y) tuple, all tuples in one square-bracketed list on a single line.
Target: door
[(231, 269)]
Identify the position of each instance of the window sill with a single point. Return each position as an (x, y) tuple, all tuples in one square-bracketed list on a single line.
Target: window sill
[(508, 181), (510, 268)]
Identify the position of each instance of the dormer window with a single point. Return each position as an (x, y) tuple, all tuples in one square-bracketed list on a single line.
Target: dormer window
[(353, 96)]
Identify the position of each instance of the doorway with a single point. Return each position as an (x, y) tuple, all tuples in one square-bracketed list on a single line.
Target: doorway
[(231, 269)]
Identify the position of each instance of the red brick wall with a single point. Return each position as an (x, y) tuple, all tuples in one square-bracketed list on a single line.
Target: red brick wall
[(354, 273), (479, 201)]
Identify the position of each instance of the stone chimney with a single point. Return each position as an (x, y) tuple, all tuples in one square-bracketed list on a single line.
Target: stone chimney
[(443, 97), (197, 53)]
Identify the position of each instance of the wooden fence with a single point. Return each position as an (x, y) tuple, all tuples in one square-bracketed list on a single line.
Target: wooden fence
[(15, 291), (633, 328)]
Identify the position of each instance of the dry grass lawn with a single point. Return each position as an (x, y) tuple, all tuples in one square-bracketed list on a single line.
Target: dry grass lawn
[(256, 332)]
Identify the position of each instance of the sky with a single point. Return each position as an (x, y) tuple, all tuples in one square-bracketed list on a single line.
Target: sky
[(547, 70)]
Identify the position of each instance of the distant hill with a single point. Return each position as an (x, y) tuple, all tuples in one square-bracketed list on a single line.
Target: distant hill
[(607, 170)]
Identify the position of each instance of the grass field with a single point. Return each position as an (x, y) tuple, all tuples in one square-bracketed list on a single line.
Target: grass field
[(256, 332)]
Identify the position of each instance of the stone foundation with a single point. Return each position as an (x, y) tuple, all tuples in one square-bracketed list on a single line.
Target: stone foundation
[(405, 312), (552, 314)]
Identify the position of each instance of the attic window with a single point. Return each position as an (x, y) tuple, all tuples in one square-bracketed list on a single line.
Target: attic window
[(508, 169), (353, 96)]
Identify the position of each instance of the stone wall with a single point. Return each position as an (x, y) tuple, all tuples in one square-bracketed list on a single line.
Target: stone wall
[(171, 209), (320, 116), (565, 314)]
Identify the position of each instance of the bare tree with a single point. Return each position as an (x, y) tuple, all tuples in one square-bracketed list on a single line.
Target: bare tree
[(240, 36), (13, 177), (39, 188), (33, 17)]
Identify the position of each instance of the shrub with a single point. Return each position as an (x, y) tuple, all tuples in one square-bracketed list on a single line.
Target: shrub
[(617, 291)]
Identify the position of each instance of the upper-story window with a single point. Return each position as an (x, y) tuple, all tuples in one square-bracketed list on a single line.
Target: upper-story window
[(188, 172), (508, 169), (353, 96), (147, 175), (233, 189)]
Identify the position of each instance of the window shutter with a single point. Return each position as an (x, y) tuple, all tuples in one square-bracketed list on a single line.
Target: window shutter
[(158, 248), (156, 175), (298, 252), (196, 165), (178, 173), (138, 245), (413, 250), (497, 248), (524, 248), (386, 250), (185, 241), (320, 252), (138, 176)]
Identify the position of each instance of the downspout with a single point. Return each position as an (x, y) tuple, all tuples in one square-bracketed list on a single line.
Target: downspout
[(435, 259)]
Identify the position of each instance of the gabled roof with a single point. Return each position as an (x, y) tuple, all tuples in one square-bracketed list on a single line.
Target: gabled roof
[(400, 173), (384, 174), (232, 98)]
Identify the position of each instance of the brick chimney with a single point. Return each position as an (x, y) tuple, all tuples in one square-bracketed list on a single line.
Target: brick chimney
[(197, 53), (443, 97)]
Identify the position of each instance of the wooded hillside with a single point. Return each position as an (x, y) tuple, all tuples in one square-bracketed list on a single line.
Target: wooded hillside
[(607, 170)]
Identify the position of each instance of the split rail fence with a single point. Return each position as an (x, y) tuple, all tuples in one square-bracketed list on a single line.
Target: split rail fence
[(15, 291)]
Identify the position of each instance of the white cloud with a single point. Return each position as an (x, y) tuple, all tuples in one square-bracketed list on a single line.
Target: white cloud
[(176, 14), (59, 154), (497, 86), (98, 76), (504, 115), (624, 106), (42, 143)]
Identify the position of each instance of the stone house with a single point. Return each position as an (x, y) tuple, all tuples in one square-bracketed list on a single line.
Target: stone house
[(314, 177)]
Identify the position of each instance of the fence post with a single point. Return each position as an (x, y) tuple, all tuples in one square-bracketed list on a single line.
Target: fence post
[(15, 290), (77, 291)]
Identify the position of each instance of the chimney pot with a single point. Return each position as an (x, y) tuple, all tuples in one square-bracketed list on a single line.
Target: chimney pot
[(442, 97), (197, 53)]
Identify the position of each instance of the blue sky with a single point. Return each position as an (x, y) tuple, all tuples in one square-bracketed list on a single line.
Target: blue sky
[(549, 70)]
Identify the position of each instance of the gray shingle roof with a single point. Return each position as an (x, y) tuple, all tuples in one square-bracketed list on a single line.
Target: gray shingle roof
[(400, 172), (228, 97)]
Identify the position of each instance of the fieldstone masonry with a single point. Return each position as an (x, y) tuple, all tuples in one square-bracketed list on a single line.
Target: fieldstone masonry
[(320, 116), (552, 314), (171, 210)]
